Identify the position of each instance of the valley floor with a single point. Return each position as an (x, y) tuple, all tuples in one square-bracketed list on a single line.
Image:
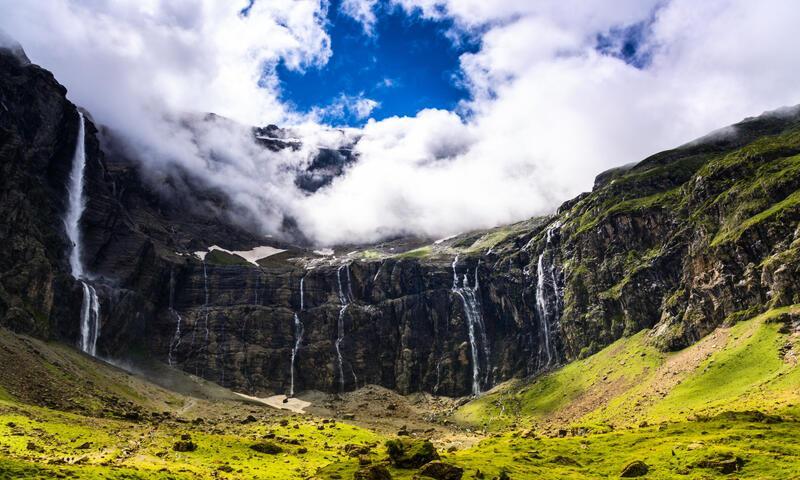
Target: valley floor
[(727, 407)]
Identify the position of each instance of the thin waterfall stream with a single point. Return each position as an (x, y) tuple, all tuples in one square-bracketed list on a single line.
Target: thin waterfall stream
[(90, 306)]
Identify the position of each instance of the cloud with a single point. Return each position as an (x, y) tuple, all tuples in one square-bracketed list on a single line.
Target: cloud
[(553, 98), (345, 107), (362, 11)]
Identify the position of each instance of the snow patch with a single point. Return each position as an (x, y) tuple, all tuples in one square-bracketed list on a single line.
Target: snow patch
[(252, 256)]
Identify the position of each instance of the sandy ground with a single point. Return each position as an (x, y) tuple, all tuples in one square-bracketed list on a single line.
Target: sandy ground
[(281, 402)]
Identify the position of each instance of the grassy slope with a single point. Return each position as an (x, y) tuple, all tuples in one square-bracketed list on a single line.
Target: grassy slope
[(77, 399), (631, 402), (627, 402)]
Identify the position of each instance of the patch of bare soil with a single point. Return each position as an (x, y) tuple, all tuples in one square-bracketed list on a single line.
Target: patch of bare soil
[(389, 413)]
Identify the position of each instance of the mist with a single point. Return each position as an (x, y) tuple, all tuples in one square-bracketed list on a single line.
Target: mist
[(547, 108)]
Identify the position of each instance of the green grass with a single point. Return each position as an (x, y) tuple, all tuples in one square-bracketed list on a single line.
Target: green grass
[(118, 446), (622, 362), (218, 257), (788, 204), (421, 252), (616, 385)]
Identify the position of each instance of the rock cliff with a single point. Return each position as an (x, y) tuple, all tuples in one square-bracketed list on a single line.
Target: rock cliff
[(679, 243)]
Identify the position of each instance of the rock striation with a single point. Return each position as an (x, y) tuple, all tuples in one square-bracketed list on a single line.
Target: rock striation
[(679, 244)]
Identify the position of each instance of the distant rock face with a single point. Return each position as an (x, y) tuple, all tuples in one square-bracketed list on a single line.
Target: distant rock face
[(680, 243)]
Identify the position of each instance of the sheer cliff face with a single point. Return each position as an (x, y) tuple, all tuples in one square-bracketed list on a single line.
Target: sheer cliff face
[(678, 244)]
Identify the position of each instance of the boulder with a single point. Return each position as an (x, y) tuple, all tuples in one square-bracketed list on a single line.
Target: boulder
[(373, 472), (441, 471), (266, 447), (184, 446), (410, 453), (636, 468)]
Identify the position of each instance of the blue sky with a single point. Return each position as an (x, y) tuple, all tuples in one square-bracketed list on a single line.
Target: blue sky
[(406, 64)]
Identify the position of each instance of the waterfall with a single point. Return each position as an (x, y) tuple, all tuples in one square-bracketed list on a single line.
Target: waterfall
[(298, 336), (344, 299), (176, 339), (475, 326), (205, 317), (90, 306), (548, 300), (77, 203), (90, 314), (255, 291), (205, 303)]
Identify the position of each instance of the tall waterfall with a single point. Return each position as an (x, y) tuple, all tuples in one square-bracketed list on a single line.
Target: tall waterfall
[(298, 336), (475, 326), (176, 339), (548, 300), (90, 307), (345, 297)]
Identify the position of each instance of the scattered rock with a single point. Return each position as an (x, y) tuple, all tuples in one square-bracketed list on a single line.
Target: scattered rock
[(354, 450), (266, 447), (373, 472), (33, 447), (636, 468), (184, 446), (441, 471), (410, 453), (566, 461), (723, 463)]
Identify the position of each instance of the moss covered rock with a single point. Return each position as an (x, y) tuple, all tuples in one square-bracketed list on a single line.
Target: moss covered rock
[(410, 453)]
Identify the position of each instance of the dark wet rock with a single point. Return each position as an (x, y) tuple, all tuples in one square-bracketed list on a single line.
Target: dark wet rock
[(410, 453), (659, 245), (354, 450), (372, 472), (724, 463), (267, 448), (636, 468), (566, 461), (441, 471), (184, 446)]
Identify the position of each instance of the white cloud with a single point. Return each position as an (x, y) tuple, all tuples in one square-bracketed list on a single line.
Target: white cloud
[(547, 111), (344, 106), (363, 11)]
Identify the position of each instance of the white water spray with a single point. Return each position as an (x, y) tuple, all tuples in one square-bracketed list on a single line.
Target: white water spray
[(548, 300), (298, 336), (176, 339), (90, 307), (475, 326), (205, 304), (344, 300)]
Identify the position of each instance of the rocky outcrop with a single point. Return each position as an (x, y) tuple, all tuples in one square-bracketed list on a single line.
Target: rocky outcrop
[(679, 243)]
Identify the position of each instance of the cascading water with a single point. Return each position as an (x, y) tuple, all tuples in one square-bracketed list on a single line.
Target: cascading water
[(205, 319), (205, 304), (469, 299), (344, 299), (176, 339), (90, 314), (90, 307), (548, 300), (298, 336)]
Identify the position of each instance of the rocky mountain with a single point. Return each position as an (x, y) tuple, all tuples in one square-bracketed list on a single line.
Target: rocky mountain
[(678, 244)]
